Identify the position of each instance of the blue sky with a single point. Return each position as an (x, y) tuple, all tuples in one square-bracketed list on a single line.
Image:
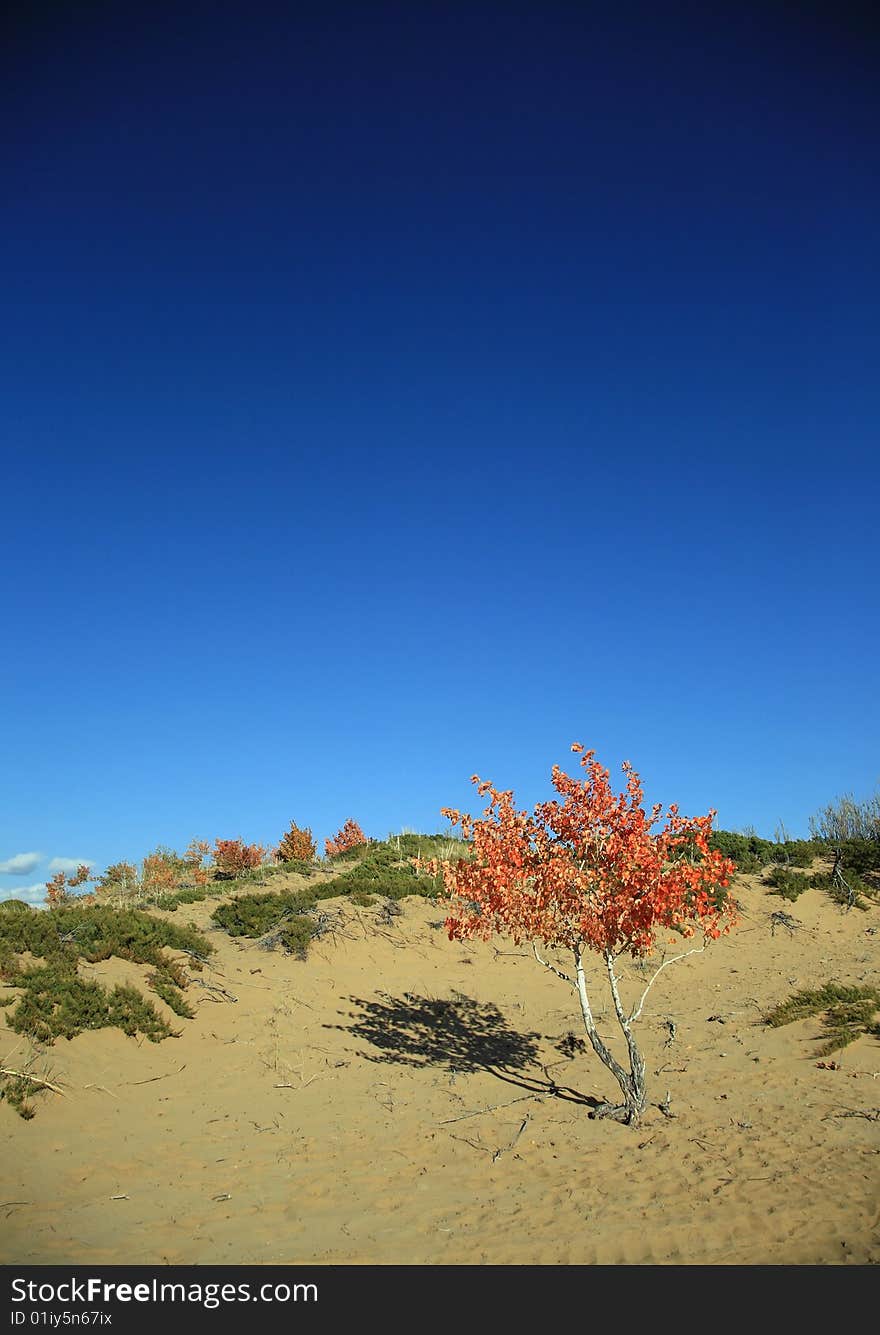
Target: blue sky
[(393, 393)]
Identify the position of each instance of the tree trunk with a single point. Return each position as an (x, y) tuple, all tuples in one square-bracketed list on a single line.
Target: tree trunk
[(632, 1082)]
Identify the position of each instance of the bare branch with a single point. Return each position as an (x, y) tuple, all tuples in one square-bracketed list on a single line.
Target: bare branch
[(553, 969), (479, 1111), (697, 950), (35, 1079)]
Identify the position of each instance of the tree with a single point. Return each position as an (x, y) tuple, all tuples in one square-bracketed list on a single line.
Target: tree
[(350, 836), (57, 890), (590, 872), (852, 829), (233, 856), (846, 819), (297, 845)]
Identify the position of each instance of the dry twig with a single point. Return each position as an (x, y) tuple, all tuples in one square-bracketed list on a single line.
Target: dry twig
[(35, 1079)]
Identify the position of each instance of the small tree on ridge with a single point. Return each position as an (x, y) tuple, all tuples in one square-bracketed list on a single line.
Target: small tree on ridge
[(297, 845), (350, 836), (590, 873)]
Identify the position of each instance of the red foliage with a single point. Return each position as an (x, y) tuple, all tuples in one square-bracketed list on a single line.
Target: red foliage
[(297, 845), (56, 890), (160, 872), (350, 836), (589, 871), (232, 856), (197, 850)]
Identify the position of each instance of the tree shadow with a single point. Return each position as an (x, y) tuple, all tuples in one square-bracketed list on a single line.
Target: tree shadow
[(463, 1035)]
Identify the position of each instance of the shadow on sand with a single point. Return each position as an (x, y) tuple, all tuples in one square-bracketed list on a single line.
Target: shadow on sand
[(463, 1035)]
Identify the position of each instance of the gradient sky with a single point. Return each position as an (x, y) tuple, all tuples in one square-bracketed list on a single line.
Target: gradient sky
[(397, 392)]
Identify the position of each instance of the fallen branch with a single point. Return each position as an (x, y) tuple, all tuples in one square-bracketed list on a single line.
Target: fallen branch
[(35, 1079), (869, 1114), (785, 920), (523, 1124), (479, 1111), (212, 987), (151, 1078)]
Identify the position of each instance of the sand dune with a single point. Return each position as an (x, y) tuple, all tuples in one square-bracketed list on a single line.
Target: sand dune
[(391, 1100)]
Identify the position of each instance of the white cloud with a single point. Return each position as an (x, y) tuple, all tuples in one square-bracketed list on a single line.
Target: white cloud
[(21, 864), (31, 894), (70, 864)]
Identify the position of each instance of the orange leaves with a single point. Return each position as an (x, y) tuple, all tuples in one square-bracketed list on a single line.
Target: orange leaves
[(232, 856), (297, 845), (58, 889), (350, 836), (197, 849), (586, 869)]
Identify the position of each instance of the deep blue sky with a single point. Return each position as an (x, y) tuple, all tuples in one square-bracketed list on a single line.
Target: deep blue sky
[(392, 393)]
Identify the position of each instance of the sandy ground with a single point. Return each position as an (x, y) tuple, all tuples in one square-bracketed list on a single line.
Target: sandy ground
[(390, 1100)]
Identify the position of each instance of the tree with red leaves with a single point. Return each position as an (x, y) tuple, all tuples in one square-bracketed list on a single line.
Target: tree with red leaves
[(233, 856), (297, 845), (58, 889), (350, 836), (590, 871)]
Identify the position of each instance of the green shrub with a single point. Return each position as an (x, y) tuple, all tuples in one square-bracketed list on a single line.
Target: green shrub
[(17, 1090), (797, 852), (856, 893), (748, 851), (295, 936), (751, 853), (169, 991), (57, 1003), (255, 915), (353, 854), (99, 932), (8, 962), (787, 884), (387, 869), (847, 1013), (861, 856), (383, 869), (296, 866)]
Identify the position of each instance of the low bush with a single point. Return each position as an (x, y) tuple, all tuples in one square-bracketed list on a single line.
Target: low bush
[(848, 889), (255, 915), (295, 936), (390, 868), (751, 853), (53, 1001), (787, 884), (383, 869), (57, 1003), (847, 1013)]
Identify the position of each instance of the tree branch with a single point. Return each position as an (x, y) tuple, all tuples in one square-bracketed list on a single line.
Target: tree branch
[(697, 950), (35, 1079), (615, 994), (552, 967)]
